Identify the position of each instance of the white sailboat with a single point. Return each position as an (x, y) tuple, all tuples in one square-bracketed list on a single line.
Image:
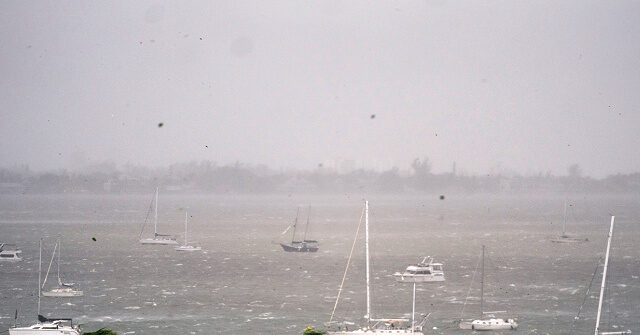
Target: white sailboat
[(603, 286), (63, 289), (185, 246), (426, 271), (564, 238), (157, 238), (46, 326), (491, 323), (379, 325)]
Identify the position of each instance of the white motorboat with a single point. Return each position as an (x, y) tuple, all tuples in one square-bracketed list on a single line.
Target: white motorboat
[(424, 272), (490, 323), (379, 325), (157, 238), (63, 289), (185, 246), (9, 253), (46, 326)]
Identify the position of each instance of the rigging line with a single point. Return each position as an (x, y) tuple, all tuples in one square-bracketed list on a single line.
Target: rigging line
[(470, 285), (146, 218), (584, 300), (344, 276)]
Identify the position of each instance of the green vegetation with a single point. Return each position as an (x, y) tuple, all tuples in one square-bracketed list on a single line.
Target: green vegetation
[(311, 331), (102, 331)]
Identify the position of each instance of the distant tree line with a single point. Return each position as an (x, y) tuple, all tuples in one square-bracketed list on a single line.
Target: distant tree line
[(209, 177)]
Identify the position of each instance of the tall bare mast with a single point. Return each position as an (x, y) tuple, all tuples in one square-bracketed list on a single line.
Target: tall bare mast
[(39, 275), (304, 238), (564, 223), (366, 244), (186, 216), (482, 287), (155, 218), (604, 276), (295, 224)]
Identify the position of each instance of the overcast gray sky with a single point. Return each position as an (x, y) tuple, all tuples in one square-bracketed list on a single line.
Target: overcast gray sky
[(524, 86)]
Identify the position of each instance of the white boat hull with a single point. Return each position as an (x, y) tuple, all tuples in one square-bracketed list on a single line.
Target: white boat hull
[(188, 248), (54, 329), (565, 239), (63, 292), (376, 331), (158, 241), (410, 278), (494, 324)]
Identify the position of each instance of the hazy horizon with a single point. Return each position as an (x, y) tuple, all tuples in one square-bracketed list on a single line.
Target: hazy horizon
[(526, 87)]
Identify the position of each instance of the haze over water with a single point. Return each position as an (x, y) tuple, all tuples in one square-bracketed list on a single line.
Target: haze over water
[(244, 283)]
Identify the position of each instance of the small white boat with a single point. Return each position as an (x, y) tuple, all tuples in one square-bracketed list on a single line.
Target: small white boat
[(157, 238), (424, 272), (46, 326), (9, 255), (63, 289), (185, 246), (490, 323)]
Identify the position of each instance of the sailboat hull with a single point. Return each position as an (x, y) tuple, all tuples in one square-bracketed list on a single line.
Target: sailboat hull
[(158, 241), (298, 248), (51, 329), (376, 331), (63, 292), (567, 239), (494, 324), (188, 248)]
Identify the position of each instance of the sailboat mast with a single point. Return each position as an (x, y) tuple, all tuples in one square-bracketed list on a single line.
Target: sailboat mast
[(366, 244), (564, 223), (413, 309), (59, 252), (307, 226), (39, 275), (604, 276), (482, 287), (295, 224), (155, 218), (186, 215)]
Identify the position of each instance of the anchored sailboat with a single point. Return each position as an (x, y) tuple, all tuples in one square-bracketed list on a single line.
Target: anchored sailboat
[(63, 289), (564, 238), (46, 326), (491, 323), (186, 246), (381, 325), (157, 238), (300, 246)]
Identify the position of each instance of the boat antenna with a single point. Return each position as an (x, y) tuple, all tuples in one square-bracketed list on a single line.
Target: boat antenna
[(604, 276), (366, 244)]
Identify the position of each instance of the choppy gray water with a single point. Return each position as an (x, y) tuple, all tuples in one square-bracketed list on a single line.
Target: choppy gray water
[(243, 283)]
